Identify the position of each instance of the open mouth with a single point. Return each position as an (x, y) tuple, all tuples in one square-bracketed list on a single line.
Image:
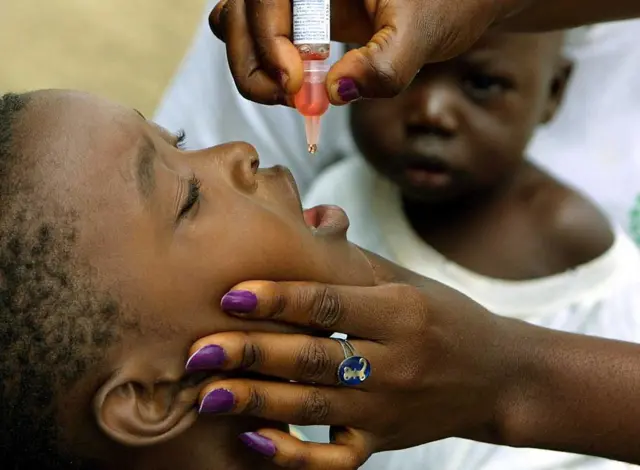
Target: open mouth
[(326, 219)]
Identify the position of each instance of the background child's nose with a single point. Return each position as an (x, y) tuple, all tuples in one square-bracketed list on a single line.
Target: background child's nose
[(433, 110)]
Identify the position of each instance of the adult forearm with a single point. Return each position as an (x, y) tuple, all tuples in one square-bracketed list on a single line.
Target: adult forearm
[(542, 15), (577, 394)]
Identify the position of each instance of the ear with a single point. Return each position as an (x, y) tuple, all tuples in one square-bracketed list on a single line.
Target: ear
[(561, 77), (143, 406)]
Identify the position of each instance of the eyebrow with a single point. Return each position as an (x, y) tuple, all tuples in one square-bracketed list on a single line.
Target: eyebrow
[(145, 167)]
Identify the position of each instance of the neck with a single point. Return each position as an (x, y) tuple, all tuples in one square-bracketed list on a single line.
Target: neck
[(211, 444)]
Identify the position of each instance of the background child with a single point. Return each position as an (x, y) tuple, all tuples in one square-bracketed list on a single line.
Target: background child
[(447, 192)]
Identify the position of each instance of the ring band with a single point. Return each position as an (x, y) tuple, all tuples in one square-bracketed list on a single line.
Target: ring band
[(354, 369)]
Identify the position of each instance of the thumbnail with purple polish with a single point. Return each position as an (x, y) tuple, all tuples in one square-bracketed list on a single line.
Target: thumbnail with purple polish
[(240, 301), (217, 401), (348, 90), (258, 443), (206, 358)]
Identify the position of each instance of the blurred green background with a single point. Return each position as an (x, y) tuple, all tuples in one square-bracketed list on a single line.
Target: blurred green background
[(127, 50)]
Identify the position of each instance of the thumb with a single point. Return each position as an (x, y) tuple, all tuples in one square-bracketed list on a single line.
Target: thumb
[(406, 39), (381, 69)]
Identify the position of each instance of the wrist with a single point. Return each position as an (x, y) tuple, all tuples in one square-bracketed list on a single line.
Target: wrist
[(521, 398)]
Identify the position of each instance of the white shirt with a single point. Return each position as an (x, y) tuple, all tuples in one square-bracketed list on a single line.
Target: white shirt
[(601, 297), (593, 144)]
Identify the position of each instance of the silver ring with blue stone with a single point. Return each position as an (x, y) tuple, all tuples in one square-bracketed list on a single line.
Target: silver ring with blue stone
[(355, 369)]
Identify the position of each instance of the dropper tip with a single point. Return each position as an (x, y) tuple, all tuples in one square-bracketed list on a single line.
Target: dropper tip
[(312, 130)]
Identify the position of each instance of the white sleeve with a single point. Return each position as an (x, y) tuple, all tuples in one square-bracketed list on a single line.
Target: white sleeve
[(203, 101)]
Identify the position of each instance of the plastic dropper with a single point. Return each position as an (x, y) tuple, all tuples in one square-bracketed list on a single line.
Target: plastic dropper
[(312, 100), (311, 35)]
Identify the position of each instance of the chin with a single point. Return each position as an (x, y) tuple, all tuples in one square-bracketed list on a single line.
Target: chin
[(432, 196)]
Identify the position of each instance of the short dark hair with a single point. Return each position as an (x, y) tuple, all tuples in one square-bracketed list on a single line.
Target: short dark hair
[(54, 324)]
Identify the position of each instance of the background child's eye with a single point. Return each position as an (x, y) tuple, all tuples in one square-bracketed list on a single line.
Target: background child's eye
[(482, 86)]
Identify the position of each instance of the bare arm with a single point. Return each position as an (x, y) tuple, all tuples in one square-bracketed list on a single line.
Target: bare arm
[(577, 394), (562, 14)]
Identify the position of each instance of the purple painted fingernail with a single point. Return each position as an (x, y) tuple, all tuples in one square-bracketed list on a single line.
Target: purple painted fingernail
[(259, 443), (208, 357), (217, 401), (347, 90), (239, 301)]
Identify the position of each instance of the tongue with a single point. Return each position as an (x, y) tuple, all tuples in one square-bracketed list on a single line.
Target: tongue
[(311, 217)]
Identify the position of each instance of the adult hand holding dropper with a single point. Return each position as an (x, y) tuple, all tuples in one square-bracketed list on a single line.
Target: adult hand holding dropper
[(399, 37)]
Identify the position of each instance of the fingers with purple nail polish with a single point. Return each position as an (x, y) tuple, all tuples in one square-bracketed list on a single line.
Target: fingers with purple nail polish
[(259, 443), (217, 401), (207, 358), (239, 301)]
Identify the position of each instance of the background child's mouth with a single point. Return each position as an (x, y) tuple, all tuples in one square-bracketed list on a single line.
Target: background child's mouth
[(429, 172)]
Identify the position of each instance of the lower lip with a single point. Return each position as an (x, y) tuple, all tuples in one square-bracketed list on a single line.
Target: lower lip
[(421, 177), (323, 219)]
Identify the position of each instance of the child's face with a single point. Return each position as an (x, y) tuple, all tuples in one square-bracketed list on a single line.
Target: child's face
[(464, 124), (169, 232)]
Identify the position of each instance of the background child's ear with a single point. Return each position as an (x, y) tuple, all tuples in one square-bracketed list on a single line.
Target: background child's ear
[(561, 77), (140, 406)]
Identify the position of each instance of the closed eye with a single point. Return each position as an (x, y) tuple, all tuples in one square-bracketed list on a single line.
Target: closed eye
[(193, 196)]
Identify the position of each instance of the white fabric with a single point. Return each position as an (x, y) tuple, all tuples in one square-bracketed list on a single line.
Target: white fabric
[(599, 298), (594, 143)]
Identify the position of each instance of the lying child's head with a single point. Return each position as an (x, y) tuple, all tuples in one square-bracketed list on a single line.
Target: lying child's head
[(115, 249), (463, 125)]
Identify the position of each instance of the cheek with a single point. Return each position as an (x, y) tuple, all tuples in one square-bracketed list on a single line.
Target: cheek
[(500, 137), (377, 126), (249, 242)]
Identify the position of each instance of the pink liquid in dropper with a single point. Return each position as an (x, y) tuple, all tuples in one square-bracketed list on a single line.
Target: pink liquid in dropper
[(312, 100)]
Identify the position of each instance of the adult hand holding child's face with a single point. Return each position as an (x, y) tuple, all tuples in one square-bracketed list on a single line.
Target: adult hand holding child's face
[(437, 366)]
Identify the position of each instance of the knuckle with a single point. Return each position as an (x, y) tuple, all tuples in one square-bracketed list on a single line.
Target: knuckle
[(407, 377), (354, 459), (326, 309), (390, 81), (448, 40), (218, 19), (353, 462), (252, 356), (414, 304), (315, 408), (278, 306), (255, 403), (313, 361), (245, 83), (297, 462)]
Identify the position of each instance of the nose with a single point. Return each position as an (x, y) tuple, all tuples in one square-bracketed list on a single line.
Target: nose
[(432, 107), (240, 161)]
